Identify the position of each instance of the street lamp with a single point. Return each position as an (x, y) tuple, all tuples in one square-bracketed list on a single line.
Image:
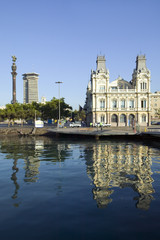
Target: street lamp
[(59, 101)]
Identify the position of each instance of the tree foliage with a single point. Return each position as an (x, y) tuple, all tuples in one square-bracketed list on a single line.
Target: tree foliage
[(26, 112), (79, 115)]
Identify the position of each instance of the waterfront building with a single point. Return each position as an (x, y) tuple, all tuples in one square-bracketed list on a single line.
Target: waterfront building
[(119, 103), (155, 104), (30, 87)]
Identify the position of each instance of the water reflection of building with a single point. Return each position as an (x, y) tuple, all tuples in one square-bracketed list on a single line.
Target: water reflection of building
[(120, 165), (32, 162)]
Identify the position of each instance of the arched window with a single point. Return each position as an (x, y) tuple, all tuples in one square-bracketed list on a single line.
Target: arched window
[(123, 118), (114, 118), (143, 118), (143, 103), (131, 119), (102, 118)]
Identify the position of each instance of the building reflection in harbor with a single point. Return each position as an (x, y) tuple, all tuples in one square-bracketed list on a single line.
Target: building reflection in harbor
[(110, 165), (119, 165)]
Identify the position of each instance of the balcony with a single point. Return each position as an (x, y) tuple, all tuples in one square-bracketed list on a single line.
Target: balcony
[(123, 90)]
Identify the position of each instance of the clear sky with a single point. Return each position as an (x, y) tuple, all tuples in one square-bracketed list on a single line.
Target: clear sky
[(60, 40)]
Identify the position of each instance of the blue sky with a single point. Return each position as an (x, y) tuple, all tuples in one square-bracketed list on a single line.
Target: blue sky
[(60, 40)]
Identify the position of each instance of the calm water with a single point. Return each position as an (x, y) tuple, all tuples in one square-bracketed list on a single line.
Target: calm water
[(70, 189)]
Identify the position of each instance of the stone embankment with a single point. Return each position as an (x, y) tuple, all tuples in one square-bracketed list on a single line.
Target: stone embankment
[(22, 131), (112, 132)]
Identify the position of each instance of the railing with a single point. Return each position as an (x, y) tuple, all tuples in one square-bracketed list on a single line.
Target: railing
[(123, 90), (115, 90), (118, 109), (102, 91)]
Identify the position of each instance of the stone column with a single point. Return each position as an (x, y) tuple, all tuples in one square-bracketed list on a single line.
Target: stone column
[(14, 74), (127, 119)]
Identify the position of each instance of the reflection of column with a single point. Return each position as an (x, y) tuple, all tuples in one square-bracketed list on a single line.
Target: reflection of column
[(14, 178)]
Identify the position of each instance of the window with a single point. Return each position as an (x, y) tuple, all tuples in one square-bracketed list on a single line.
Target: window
[(143, 118), (143, 86), (123, 103), (131, 119), (123, 118), (102, 104), (131, 103), (113, 88), (102, 118), (143, 104), (114, 104), (114, 118), (102, 88)]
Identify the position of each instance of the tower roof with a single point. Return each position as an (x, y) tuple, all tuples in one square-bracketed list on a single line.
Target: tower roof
[(30, 74), (141, 62), (101, 63)]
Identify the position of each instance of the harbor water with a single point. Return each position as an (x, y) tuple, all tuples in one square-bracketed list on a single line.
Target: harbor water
[(78, 189)]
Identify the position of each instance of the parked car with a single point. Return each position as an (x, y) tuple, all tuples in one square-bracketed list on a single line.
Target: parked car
[(102, 124), (106, 125), (75, 124), (155, 123)]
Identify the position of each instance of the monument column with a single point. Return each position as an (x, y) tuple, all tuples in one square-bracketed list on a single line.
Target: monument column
[(14, 74)]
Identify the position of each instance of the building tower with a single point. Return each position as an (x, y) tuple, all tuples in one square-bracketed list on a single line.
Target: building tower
[(30, 87), (141, 75), (14, 74)]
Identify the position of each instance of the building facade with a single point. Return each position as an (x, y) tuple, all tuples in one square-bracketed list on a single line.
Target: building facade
[(155, 105), (30, 87), (119, 103), (43, 100)]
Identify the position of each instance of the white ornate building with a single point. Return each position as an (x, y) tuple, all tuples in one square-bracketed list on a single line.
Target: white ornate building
[(120, 103)]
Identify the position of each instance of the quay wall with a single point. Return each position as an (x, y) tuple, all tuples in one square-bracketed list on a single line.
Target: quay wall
[(22, 131)]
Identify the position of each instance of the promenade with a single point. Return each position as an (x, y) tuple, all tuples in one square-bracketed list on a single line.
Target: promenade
[(153, 131)]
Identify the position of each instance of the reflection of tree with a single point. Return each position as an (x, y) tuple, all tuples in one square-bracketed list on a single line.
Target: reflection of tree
[(120, 165), (32, 151)]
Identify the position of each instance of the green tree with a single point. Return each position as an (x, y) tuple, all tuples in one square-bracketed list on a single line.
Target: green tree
[(50, 110), (79, 115), (10, 112), (2, 115)]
